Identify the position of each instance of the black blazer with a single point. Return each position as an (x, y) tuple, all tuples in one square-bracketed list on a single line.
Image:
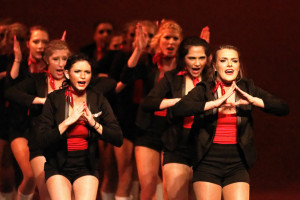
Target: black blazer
[(170, 86), (205, 122), (55, 111), (148, 73)]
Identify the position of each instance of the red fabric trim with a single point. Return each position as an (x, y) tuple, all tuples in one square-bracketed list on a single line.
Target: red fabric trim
[(77, 137), (226, 131)]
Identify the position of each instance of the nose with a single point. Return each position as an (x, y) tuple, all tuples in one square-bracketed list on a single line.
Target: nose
[(82, 75), (197, 62), (61, 63), (229, 63), (40, 45)]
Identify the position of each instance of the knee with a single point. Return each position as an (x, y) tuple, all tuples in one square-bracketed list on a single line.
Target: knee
[(29, 178), (148, 179)]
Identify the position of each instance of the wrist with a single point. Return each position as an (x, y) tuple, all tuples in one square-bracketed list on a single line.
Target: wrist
[(94, 124), (17, 61)]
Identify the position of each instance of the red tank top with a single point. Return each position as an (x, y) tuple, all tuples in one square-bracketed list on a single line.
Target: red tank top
[(226, 131), (77, 136)]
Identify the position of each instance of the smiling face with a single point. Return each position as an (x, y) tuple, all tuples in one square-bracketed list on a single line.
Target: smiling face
[(37, 43), (80, 75), (227, 65), (169, 42), (195, 60), (57, 62)]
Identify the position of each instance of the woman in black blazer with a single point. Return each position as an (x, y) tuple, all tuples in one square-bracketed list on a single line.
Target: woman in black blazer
[(73, 120), (22, 66), (32, 92), (192, 67), (222, 131)]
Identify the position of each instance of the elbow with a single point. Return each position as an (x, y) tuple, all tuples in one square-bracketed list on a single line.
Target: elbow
[(285, 110), (119, 142)]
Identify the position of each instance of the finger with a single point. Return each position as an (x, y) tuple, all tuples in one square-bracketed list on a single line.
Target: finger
[(63, 37)]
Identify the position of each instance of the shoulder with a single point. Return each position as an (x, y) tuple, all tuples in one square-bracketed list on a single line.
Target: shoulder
[(93, 95), (245, 83), (38, 76), (206, 84), (56, 94), (172, 73)]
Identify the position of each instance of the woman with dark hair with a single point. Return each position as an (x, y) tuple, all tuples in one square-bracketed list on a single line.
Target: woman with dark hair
[(192, 67), (73, 120), (31, 92), (222, 131)]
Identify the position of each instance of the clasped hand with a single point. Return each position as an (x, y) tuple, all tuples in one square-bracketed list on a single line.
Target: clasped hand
[(244, 99), (82, 112)]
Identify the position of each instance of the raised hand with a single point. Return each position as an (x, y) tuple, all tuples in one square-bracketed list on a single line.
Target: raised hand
[(63, 37), (17, 50), (205, 34), (141, 39)]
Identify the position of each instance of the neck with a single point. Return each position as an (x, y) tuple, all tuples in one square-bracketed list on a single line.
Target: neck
[(168, 62), (225, 83), (77, 92)]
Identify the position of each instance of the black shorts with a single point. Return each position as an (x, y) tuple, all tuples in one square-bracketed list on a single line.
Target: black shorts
[(222, 165), (152, 137), (75, 167), (182, 153), (149, 139)]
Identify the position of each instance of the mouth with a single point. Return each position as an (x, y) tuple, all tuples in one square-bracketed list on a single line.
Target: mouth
[(229, 71), (81, 83), (170, 48)]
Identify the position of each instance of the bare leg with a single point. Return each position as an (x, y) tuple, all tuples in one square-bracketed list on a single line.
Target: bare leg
[(59, 187), (85, 188), (124, 157), (21, 152), (109, 169), (177, 178), (37, 165), (236, 191), (148, 162), (6, 168), (207, 191)]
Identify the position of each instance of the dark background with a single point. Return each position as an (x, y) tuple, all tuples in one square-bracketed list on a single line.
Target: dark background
[(266, 31)]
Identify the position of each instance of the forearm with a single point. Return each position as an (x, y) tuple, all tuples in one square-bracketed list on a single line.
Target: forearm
[(98, 127), (14, 72), (38, 100), (120, 86), (134, 58), (210, 105), (166, 103), (258, 102), (2, 75), (62, 127)]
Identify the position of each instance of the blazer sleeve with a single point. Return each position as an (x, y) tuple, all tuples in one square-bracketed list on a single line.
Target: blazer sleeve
[(23, 92), (153, 100), (192, 103), (273, 104), (48, 132), (111, 130)]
